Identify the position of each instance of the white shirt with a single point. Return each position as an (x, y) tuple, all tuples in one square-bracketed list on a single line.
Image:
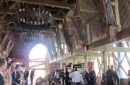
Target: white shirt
[(76, 77)]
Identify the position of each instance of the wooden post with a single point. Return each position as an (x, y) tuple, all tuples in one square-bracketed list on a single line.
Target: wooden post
[(85, 61), (104, 62), (3, 42), (65, 21), (7, 49), (60, 65), (109, 61), (88, 33), (117, 14)]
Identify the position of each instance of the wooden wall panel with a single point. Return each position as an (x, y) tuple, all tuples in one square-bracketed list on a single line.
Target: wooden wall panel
[(124, 11), (98, 31)]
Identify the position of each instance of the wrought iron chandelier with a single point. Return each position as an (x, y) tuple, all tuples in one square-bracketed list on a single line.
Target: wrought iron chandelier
[(34, 17)]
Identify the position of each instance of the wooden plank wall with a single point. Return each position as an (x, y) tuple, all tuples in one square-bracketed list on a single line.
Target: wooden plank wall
[(124, 10), (97, 28)]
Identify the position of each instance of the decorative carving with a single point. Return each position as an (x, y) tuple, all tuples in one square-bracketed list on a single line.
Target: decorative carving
[(102, 10), (106, 13), (79, 27)]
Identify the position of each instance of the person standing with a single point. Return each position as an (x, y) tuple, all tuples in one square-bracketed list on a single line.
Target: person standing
[(26, 73), (87, 77), (108, 77), (31, 76), (92, 76), (62, 76), (3, 65), (7, 75), (77, 78), (66, 77), (115, 76), (16, 76)]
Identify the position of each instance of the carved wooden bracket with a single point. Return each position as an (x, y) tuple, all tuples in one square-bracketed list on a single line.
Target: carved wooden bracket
[(6, 45), (106, 13), (111, 32)]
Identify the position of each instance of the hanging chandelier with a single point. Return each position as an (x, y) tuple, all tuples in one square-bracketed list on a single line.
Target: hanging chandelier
[(34, 17), (28, 37)]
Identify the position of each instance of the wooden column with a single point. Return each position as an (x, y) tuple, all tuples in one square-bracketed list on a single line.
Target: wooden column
[(72, 65), (85, 62), (74, 42), (117, 14), (88, 32), (60, 65), (109, 61), (104, 63)]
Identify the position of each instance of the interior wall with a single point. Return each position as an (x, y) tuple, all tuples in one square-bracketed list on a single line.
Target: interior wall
[(123, 81)]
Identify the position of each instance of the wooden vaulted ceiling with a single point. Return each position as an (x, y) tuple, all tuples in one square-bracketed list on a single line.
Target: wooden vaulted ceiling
[(8, 15), (88, 14), (56, 7)]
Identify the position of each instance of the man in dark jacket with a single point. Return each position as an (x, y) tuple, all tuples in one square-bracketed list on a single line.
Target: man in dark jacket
[(92, 76), (111, 76), (115, 76), (16, 76), (66, 77), (87, 77), (26, 73), (62, 75)]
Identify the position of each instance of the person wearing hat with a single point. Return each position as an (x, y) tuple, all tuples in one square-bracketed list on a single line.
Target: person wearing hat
[(16, 76)]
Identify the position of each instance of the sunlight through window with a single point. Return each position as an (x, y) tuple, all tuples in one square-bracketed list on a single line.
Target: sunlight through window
[(38, 52)]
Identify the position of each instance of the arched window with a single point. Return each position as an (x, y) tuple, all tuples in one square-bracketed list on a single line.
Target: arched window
[(39, 51), (37, 57)]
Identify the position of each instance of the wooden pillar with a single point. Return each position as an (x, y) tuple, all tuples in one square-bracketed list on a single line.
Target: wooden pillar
[(60, 65), (109, 61), (72, 65), (88, 33), (85, 62), (74, 42), (65, 21), (104, 59), (117, 14)]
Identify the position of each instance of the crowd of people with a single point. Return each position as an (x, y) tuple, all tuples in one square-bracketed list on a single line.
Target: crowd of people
[(110, 77), (11, 74), (75, 77)]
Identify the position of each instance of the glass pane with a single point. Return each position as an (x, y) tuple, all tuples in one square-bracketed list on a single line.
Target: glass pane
[(126, 68), (96, 68)]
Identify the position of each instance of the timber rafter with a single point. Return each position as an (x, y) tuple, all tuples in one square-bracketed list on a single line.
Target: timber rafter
[(46, 3)]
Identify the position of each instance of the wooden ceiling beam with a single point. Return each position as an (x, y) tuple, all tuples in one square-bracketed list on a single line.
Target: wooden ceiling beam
[(7, 11), (38, 68), (84, 7), (122, 35), (64, 1), (38, 65), (114, 49), (78, 52), (46, 3), (13, 5)]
